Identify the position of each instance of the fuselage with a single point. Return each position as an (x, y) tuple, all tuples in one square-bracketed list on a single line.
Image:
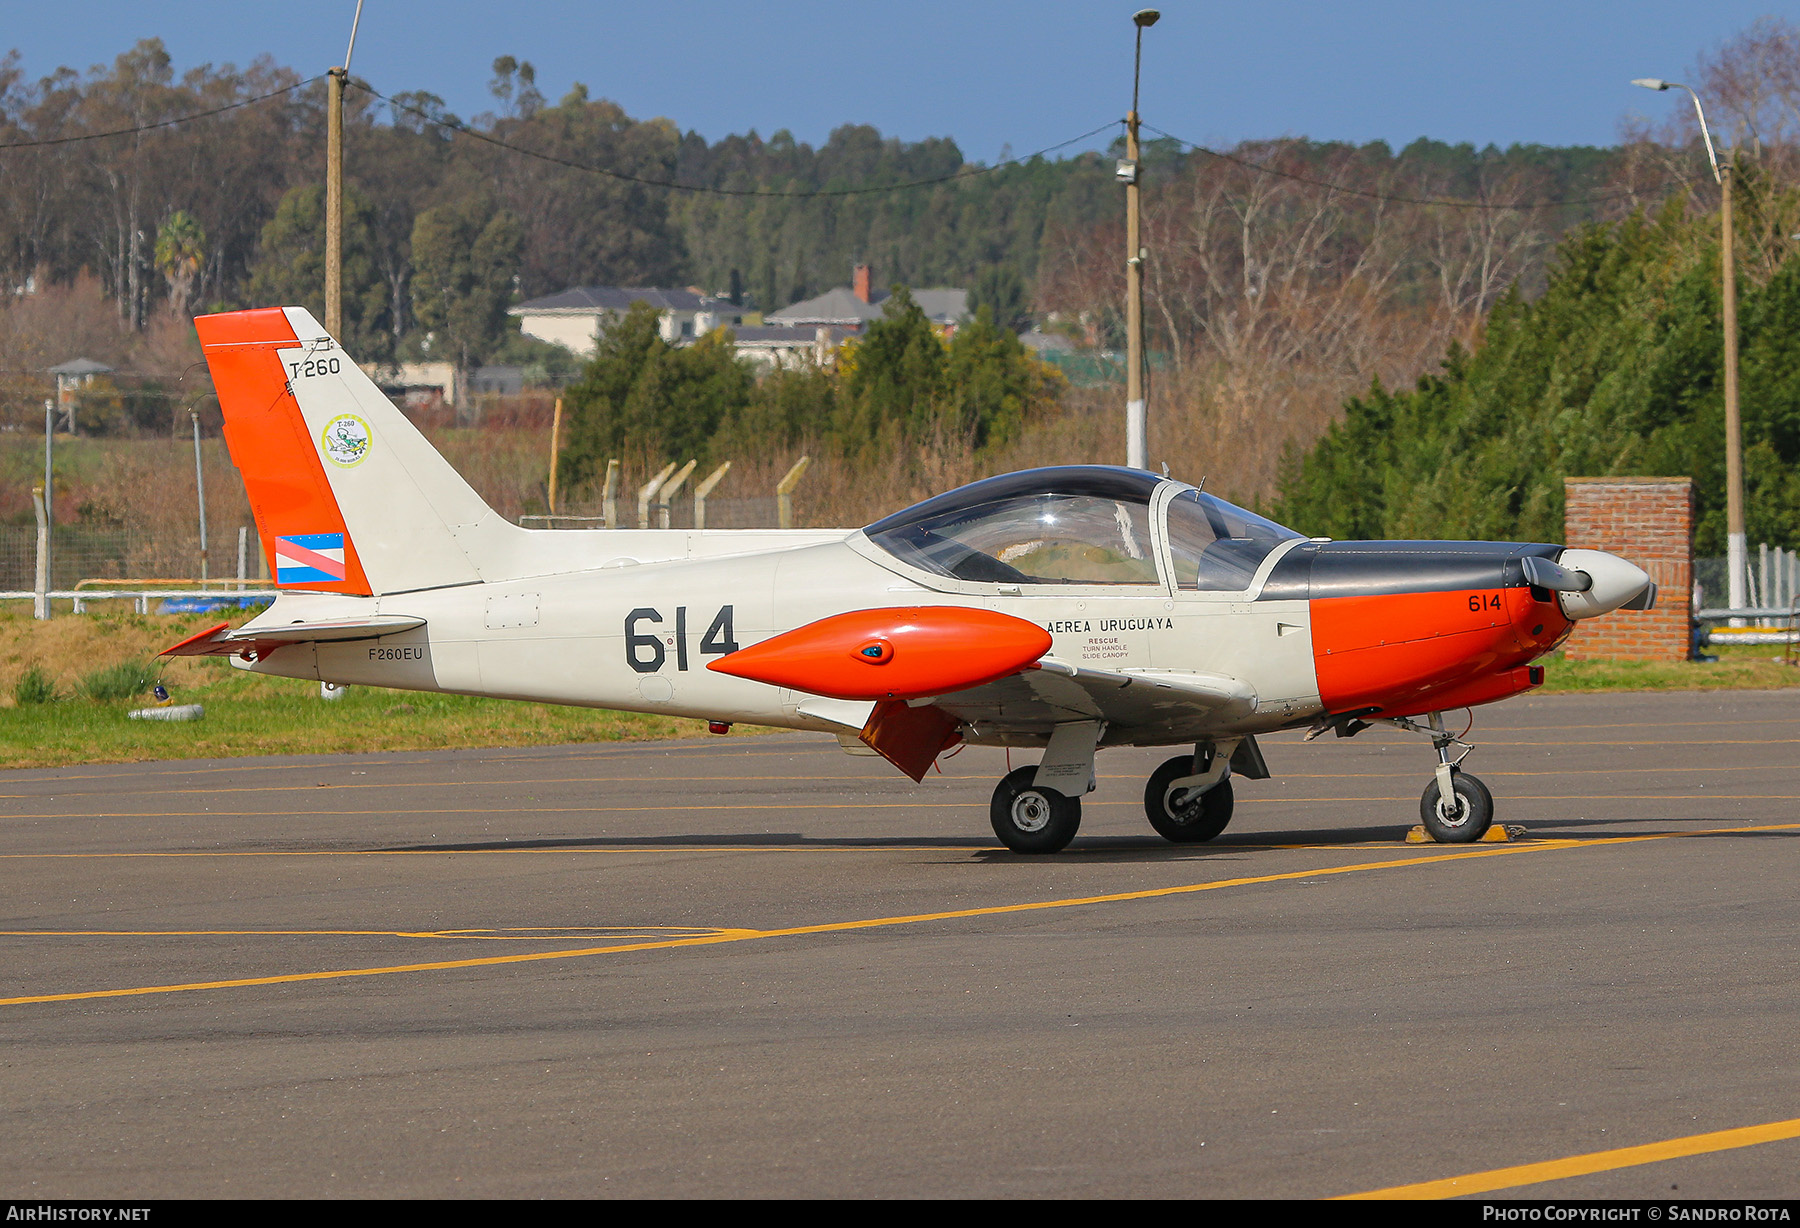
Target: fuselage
[(1321, 628)]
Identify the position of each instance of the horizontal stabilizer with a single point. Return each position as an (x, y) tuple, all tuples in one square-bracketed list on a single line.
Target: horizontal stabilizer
[(255, 641)]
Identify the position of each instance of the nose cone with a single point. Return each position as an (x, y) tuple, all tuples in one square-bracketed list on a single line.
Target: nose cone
[(1617, 584)]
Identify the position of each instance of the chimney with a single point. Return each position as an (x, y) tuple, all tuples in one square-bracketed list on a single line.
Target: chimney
[(859, 282)]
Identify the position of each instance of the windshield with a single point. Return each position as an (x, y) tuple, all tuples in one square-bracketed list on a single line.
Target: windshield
[(1217, 546), (1081, 525)]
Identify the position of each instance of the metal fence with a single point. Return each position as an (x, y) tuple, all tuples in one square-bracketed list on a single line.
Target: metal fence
[(84, 552), (1772, 579), (750, 512)]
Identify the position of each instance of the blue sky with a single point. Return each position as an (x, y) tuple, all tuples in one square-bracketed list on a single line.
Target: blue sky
[(991, 73)]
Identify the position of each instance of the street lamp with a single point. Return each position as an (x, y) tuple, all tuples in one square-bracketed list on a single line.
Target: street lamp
[(1137, 446), (1736, 550)]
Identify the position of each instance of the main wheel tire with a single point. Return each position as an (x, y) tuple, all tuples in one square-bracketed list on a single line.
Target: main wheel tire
[(1032, 820), (1471, 817), (1182, 815)]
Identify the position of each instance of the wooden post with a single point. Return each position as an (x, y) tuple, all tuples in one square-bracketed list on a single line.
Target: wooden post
[(555, 450), (334, 203)]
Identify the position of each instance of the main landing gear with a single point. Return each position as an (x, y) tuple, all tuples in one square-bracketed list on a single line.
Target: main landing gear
[(1030, 818), (1038, 809), (1189, 798)]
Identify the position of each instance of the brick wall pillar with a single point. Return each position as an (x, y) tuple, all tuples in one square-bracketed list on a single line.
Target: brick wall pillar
[(1651, 522)]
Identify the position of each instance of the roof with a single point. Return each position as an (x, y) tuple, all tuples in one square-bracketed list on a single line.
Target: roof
[(80, 366), (764, 334), (587, 300), (841, 306), (838, 306)]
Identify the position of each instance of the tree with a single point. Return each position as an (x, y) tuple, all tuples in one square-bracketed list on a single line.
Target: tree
[(180, 254), (992, 384), (893, 375), (1001, 290), (290, 267), (465, 260), (645, 400), (1615, 369)]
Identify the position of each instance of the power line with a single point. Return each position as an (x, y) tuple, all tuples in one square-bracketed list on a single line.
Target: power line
[(457, 126), (161, 123), (1450, 202)]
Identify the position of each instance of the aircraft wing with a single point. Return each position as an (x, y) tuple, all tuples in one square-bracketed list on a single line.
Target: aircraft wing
[(1055, 692), (222, 641)]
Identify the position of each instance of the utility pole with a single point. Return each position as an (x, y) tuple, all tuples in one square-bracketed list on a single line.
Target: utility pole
[(334, 202), (1137, 445), (1736, 544), (1737, 551), (335, 80)]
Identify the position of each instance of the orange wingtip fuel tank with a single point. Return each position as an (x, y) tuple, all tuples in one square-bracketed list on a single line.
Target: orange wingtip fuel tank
[(903, 653)]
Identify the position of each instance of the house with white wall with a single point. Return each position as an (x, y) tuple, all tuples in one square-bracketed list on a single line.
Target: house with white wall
[(575, 318)]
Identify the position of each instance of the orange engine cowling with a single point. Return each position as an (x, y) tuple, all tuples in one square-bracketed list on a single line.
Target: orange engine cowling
[(1403, 653), (895, 653)]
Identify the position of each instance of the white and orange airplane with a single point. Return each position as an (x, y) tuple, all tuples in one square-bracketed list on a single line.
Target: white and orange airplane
[(1071, 608)]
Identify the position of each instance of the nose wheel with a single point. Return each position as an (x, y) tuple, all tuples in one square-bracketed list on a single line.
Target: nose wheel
[(1464, 817)]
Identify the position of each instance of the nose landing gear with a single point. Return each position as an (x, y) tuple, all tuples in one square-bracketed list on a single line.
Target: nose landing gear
[(1456, 807)]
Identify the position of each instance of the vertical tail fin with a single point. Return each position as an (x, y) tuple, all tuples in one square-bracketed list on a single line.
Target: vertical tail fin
[(348, 496)]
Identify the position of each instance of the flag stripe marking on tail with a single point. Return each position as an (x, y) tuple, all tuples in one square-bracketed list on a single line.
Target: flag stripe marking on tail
[(309, 558)]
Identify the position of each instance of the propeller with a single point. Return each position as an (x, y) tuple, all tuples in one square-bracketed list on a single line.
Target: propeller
[(1591, 582), (1542, 573)]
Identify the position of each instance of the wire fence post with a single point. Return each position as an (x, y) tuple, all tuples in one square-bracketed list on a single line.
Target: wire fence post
[(705, 489), (49, 510), (669, 490), (784, 492), (648, 491), (609, 498), (40, 601)]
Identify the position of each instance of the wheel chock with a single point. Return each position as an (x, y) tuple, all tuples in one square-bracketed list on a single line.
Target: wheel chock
[(1499, 833)]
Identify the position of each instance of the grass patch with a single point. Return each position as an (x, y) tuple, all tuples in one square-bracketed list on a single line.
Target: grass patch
[(1742, 668), (120, 681), (34, 686), (249, 715)]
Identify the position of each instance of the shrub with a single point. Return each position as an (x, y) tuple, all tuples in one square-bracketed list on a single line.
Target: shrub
[(34, 687), (120, 681)]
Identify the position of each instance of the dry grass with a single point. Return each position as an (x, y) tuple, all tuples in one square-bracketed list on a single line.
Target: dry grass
[(249, 714)]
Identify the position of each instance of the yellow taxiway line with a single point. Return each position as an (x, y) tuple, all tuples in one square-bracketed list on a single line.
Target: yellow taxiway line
[(1591, 1162), (839, 927)]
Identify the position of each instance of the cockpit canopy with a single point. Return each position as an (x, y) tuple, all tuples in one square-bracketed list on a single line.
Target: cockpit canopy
[(1078, 524)]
